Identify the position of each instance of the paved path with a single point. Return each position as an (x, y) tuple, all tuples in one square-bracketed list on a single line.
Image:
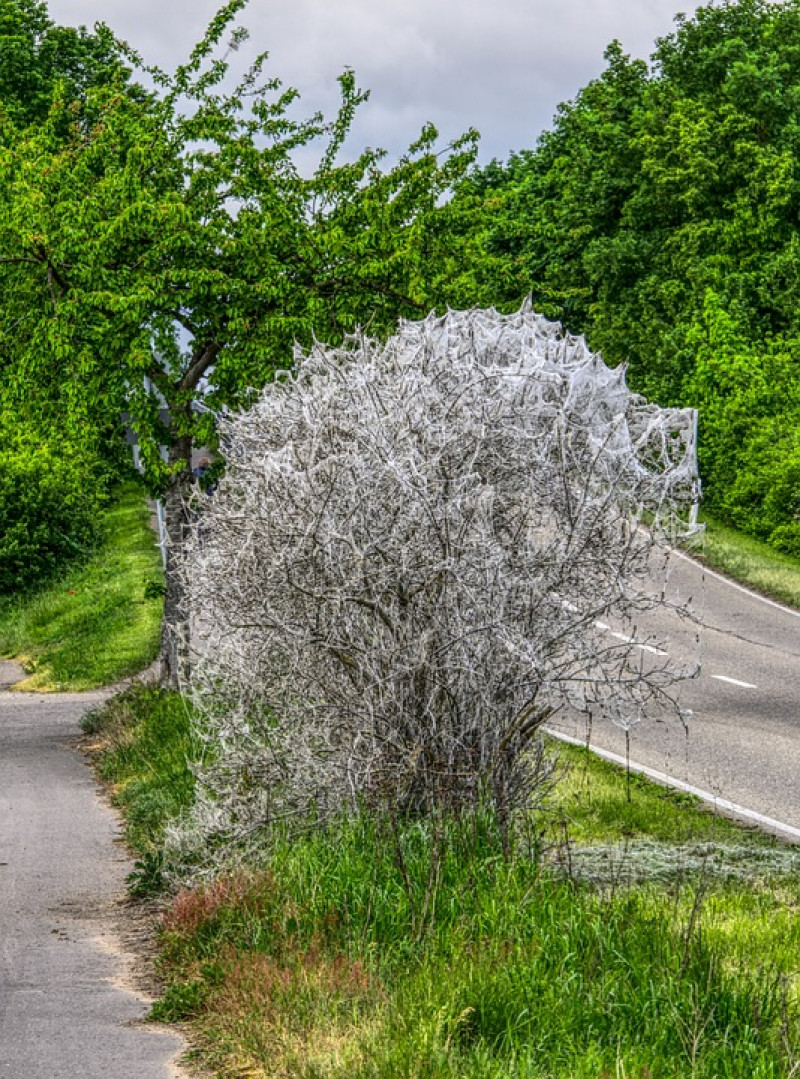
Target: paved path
[(743, 740), (64, 1012)]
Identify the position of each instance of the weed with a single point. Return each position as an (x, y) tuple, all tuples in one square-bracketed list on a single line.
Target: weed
[(147, 876), (180, 1001)]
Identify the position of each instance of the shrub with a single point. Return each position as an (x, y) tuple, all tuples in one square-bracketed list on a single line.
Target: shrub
[(49, 512), (403, 571)]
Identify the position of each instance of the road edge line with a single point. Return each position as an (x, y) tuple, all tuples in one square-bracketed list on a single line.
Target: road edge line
[(720, 805), (704, 568)]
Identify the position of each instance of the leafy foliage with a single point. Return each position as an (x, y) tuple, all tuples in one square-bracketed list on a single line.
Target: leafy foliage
[(185, 216), (660, 216), (56, 463), (749, 401), (50, 511), (168, 249), (38, 57)]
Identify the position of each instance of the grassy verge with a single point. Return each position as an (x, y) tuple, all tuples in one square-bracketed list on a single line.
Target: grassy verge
[(141, 743), (647, 939), (596, 802), (749, 561), (96, 624)]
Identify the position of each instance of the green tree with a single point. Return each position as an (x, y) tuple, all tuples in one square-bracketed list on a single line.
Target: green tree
[(749, 398), (36, 55), (37, 59), (661, 186), (170, 251)]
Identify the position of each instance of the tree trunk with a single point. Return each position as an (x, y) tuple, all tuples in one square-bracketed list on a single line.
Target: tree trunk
[(175, 631)]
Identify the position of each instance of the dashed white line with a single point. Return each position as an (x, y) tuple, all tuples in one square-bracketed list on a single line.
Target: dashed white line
[(651, 648), (604, 627), (734, 681), (632, 640)]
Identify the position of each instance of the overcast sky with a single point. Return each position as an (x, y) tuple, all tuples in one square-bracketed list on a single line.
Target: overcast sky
[(501, 66)]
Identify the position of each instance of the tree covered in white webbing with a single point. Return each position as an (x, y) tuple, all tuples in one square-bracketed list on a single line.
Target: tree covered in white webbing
[(399, 578)]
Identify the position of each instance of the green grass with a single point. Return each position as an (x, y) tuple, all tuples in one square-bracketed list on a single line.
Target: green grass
[(609, 826), (95, 624), (314, 969), (334, 962), (141, 741), (640, 937), (598, 803), (749, 561)]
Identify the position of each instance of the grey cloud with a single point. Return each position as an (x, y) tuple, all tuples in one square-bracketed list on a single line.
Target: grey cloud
[(502, 66)]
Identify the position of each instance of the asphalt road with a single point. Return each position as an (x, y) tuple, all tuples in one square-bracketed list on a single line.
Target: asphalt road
[(65, 1011), (743, 738)]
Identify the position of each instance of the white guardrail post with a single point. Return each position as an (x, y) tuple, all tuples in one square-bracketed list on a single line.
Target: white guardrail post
[(161, 523)]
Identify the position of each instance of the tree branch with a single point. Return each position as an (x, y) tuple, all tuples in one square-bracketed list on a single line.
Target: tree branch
[(202, 361)]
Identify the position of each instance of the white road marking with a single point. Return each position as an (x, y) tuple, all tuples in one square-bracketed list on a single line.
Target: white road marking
[(653, 650), (734, 681), (604, 626), (720, 804), (739, 587), (632, 640)]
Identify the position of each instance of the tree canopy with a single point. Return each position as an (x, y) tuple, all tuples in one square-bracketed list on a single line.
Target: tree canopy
[(660, 216), (169, 236), (167, 249), (36, 55)]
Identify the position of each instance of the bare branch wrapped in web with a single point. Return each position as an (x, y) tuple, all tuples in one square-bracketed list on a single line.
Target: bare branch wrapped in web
[(399, 577)]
